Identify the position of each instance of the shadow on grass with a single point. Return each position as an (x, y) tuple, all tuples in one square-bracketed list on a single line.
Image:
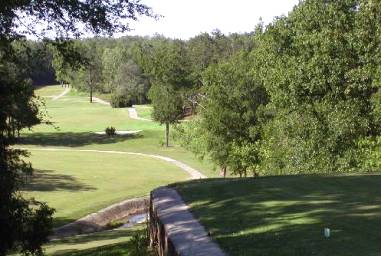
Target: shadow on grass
[(287, 215), (97, 236), (71, 139), (115, 248), (48, 180)]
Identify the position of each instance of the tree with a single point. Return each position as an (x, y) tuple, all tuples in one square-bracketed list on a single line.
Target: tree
[(168, 70), (132, 85), (167, 106), (231, 114), (25, 224), (123, 77), (320, 73), (88, 77)]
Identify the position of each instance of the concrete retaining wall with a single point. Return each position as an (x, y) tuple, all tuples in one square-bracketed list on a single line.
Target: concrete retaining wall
[(173, 229), (97, 221)]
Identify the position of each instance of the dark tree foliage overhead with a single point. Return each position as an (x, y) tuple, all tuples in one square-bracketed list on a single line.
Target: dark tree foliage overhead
[(25, 224), (64, 18)]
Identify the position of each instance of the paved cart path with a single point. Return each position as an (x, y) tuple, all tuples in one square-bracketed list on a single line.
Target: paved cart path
[(66, 91), (194, 174)]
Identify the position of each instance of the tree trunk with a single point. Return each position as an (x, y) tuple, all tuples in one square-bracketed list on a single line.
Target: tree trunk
[(91, 94), (166, 134), (223, 171)]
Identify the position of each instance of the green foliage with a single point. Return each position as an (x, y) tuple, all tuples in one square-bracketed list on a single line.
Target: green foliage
[(166, 102), (166, 65), (191, 136), (319, 75), (140, 243), (110, 131), (120, 101), (305, 99), (230, 124)]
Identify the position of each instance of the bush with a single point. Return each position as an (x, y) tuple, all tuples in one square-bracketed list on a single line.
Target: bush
[(110, 131), (140, 243), (120, 101)]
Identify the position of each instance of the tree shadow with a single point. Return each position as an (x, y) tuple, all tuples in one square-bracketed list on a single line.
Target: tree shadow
[(49, 180), (72, 139), (117, 248), (287, 215)]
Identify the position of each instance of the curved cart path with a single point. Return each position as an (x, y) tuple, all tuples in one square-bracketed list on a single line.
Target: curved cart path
[(134, 115), (194, 174), (67, 90), (100, 101), (131, 111)]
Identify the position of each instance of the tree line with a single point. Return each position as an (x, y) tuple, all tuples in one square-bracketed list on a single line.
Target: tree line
[(138, 70)]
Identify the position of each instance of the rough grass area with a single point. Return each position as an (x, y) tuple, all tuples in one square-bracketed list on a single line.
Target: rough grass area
[(287, 215), (112, 242), (76, 120), (144, 111), (79, 183)]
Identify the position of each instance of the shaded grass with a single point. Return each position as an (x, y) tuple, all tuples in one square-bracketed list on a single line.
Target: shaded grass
[(111, 242), (79, 183), (287, 215)]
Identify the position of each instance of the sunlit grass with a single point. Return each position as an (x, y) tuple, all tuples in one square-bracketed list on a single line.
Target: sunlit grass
[(79, 183)]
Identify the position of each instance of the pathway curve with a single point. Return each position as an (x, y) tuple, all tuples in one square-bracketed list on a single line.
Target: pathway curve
[(194, 174), (134, 115), (67, 89), (100, 101)]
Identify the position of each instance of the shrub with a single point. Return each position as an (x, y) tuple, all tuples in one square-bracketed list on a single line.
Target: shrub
[(140, 242), (110, 131)]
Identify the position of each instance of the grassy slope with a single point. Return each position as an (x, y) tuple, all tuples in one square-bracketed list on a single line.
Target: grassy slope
[(78, 183), (287, 215)]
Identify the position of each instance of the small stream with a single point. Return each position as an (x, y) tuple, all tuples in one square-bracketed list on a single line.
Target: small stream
[(135, 219)]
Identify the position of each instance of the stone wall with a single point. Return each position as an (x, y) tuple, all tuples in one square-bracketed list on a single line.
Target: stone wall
[(173, 229), (98, 221)]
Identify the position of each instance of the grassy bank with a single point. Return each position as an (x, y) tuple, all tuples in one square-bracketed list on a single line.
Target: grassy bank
[(287, 215)]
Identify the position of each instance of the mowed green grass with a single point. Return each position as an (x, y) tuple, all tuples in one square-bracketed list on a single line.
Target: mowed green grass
[(110, 242), (144, 111), (49, 91), (75, 121), (287, 215), (79, 183)]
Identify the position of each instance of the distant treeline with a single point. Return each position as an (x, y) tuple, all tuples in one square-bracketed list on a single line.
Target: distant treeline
[(124, 67)]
